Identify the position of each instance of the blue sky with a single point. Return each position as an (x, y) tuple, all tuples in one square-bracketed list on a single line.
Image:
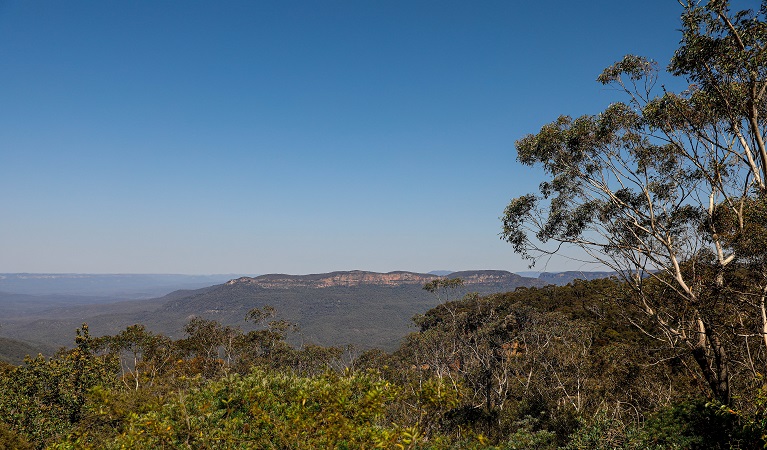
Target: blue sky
[(288, 136)]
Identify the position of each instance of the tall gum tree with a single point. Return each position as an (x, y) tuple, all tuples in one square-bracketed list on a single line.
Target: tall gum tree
[(670, 191)]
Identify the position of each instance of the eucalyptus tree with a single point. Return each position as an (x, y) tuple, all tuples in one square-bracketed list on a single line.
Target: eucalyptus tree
[(143, 355), (670, 191)]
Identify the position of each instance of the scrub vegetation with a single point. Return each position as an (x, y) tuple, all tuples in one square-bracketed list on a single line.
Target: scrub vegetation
[(555, 367)]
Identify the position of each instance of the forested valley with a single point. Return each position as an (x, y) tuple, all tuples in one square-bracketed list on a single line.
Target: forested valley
[(556, 367)]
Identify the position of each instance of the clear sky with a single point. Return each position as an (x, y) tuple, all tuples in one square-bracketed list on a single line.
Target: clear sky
[(289, 136)]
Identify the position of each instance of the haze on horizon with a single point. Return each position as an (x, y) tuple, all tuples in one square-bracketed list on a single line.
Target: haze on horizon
[(289, 137)]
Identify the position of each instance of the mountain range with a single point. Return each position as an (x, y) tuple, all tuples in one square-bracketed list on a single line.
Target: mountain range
[(364, 309)]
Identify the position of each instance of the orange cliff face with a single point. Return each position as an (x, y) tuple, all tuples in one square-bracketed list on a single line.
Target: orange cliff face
[(400, 278), (357, 278), (335, 279)]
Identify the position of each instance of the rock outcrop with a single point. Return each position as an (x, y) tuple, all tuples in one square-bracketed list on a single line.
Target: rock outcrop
[(393, 279), (334, 279)]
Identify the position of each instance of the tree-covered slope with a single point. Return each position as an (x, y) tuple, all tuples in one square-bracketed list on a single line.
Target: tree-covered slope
[(364, 309)]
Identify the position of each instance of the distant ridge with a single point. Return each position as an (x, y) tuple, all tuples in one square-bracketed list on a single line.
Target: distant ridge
[(497, 278), (356, 307), (365, 309), (335, 279), (13, 351), (563, 278)]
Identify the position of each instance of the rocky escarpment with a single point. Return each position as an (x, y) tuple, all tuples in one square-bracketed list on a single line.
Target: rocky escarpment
[(501, 278), (365, 309), (563, 278), (363, 278), (334, 279)]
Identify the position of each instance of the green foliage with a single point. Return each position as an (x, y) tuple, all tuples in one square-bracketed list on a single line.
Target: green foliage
[(697, 424), (753, 422), (443, 287), (535, 368), (12, 441), (692, 424), (143, 355), (269, 410), (528, 437), (668, 190), (607, 433), (42, 399)]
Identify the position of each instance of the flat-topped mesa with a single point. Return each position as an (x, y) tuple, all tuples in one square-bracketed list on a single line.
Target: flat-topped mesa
[(485, 276), (392, 279), (335, 279)]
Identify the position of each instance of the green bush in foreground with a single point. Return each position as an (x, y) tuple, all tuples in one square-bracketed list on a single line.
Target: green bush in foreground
[(42, 400), (269, 410), (11, 441)]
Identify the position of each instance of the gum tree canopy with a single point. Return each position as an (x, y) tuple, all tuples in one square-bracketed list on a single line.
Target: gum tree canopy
[(670, 191)]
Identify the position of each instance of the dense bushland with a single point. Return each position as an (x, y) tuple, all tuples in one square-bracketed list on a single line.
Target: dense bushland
[(555, 367)]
